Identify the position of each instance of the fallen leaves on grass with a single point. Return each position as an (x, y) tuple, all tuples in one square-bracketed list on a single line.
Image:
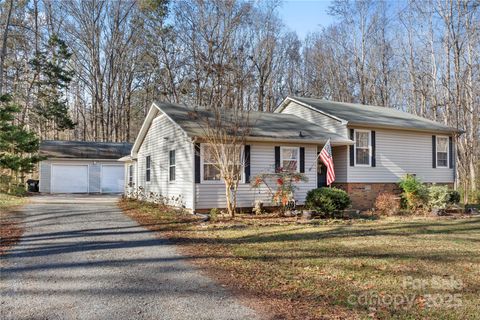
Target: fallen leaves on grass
[(293, 271), (10, 233), (10, 221)]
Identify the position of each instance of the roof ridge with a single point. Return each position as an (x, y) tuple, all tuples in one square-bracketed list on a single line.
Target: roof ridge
[(349, 113)]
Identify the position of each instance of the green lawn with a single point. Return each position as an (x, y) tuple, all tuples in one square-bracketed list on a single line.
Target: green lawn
[(8, 202), (390, 268)]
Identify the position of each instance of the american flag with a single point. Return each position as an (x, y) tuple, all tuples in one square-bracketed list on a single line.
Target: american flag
[(327, 159)]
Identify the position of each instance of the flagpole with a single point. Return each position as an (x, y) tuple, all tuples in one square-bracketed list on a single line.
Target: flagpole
[(329, 139), (318, 155), (316, 159)]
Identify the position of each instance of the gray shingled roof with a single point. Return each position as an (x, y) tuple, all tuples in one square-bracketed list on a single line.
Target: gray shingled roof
[(267, 126), (359, 114), (84, 150)]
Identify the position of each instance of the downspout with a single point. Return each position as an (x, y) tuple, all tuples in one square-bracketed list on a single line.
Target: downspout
[(455, 155), (194, 191), (135, 167)]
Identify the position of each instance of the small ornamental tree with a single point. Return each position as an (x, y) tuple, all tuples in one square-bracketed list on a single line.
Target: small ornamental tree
[(280, 185)]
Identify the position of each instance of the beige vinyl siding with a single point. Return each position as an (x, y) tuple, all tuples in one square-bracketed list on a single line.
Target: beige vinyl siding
[(262, 159), (94, 172), (340, 162), (400, 152), (127, 175), (162, 137), (315, 117)]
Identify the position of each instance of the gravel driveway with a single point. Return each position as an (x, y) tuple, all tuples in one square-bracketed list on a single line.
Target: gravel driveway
[(81, 258)]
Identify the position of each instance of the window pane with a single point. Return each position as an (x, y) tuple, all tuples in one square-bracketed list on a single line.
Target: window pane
[(362, 156), (147, 168), (208, 154), (442, 159), (148, 161), (442, 144), (172, 173), (362, 139), (289, 165), (210, 172), (172, 157), (289, 153)]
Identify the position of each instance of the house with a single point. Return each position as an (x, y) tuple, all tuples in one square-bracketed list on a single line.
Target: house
[(82, 167), (388, 144), (373, 147), (170, 158)]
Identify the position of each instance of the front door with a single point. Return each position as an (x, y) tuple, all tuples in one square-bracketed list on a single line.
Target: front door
[(321, 173)]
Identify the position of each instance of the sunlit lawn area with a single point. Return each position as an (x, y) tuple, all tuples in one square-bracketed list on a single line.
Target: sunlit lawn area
[(406, 268), (7, 202), (10, 229)]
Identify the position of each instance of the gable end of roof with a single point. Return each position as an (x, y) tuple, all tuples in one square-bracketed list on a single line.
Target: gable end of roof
[(289, 99)]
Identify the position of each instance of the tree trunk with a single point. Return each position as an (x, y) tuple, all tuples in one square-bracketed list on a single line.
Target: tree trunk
[(3, 53)]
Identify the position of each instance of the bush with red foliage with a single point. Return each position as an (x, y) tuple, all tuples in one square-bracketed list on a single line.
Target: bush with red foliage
[(387, 204)]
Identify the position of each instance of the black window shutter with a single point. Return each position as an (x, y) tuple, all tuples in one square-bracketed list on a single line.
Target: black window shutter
[(197, 162), (277, 158), (302, 159), (247, 163), (374, 150), (450, 151), (434, 151), (352, 149)]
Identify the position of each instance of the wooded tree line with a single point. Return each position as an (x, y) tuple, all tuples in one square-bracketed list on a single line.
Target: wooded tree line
[(89, 70)]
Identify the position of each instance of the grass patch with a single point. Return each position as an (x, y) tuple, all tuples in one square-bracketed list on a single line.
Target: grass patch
[(10, 222), (8, 202), (405, 268)]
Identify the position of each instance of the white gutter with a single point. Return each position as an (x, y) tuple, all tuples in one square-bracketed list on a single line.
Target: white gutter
[(125, 159), (393, 127), (345, 142), (80, 159), (194, 187)]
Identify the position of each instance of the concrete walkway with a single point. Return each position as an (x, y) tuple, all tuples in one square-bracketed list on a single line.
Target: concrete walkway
[(81, 258)]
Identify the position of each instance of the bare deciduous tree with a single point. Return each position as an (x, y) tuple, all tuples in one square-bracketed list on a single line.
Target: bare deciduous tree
[(225, 131)]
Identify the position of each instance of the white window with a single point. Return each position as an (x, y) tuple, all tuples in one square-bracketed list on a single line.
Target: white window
[(148, 164), (289, 157), (210, 167), (442, 152), (362, 147), (171, 166)]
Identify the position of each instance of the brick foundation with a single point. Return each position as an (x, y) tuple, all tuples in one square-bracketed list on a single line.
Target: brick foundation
[(363, 195)]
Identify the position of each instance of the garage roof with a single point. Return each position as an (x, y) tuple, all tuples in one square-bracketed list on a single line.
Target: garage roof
[(84, 149)]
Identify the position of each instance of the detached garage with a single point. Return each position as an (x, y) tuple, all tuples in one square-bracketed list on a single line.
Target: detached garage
[(82, 167)]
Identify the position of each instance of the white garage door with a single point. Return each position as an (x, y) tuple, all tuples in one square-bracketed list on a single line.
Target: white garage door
[(112, 178), (69, 178)]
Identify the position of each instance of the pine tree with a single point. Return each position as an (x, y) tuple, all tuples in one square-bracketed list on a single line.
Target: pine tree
[(51, 107), (18, 148)]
